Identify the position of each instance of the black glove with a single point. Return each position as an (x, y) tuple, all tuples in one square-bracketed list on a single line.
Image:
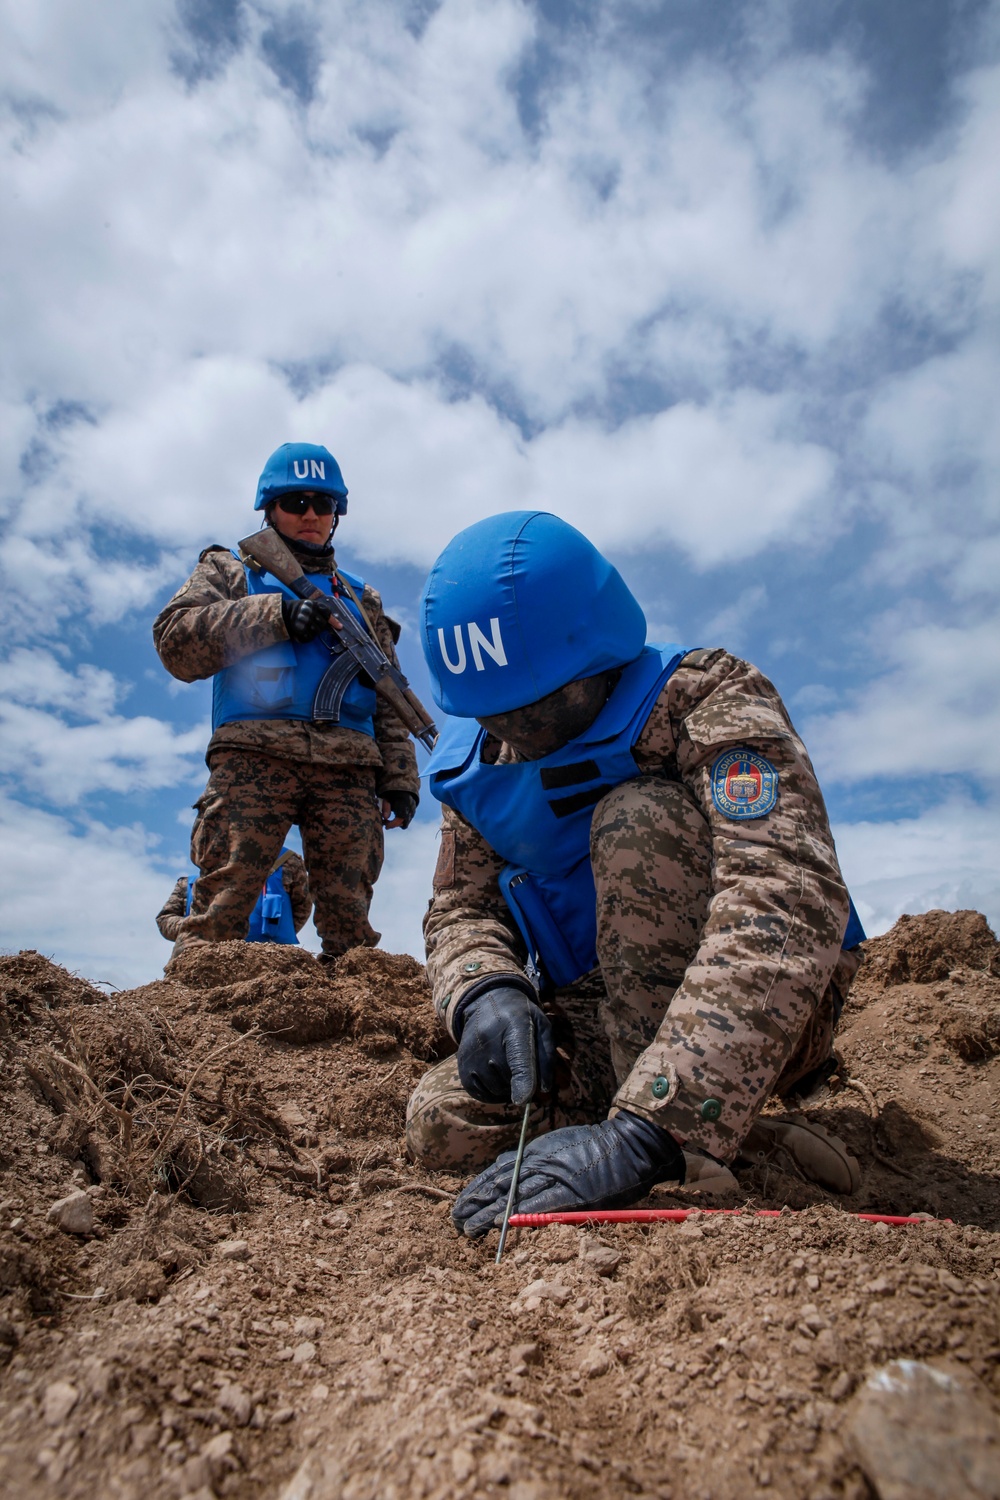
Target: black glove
[(402, 806), (303, 619), (505, 1046), (607, 1165)]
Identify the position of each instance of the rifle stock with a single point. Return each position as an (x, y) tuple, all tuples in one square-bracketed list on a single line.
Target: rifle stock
[(269, 550)]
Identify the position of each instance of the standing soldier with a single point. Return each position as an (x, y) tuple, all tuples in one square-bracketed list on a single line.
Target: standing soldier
[(638, 919), (271, 764)]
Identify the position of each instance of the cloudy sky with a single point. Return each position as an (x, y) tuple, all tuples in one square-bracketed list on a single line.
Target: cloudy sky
[(718, 282)]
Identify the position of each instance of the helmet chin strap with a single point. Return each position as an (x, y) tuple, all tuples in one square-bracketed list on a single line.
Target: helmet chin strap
[(313, 549)]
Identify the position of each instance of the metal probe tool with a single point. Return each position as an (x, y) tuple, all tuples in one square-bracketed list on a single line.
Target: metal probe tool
[(512, 1194)]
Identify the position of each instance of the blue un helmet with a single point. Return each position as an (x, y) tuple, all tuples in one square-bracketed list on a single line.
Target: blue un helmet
[(302, 466), (519, 605)]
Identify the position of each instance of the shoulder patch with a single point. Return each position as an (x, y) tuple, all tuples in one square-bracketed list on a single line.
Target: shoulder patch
[(744, 785)]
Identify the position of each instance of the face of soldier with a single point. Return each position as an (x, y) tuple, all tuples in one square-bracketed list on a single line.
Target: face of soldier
[(539, 728), (314, 525)]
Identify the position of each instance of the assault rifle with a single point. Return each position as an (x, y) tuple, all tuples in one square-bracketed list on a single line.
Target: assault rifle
[(355, 650)]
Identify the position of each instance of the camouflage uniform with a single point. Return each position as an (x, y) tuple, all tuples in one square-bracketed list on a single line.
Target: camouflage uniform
[(721, 971), (170, 919), (267, 774)]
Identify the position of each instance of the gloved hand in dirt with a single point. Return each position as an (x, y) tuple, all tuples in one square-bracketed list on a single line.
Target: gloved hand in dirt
[(505, 1046), (607, 1165)]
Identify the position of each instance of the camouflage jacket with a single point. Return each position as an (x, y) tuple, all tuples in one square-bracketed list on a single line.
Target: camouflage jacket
[(293, 877), (212, 622), (775, 873)]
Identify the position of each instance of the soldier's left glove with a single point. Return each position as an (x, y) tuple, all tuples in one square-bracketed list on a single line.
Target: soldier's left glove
[(607, 1165), (303, 619), (402, 806)]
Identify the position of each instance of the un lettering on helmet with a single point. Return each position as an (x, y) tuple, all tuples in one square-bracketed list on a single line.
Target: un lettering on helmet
[(518, 605), (478, 643), (312, 468)]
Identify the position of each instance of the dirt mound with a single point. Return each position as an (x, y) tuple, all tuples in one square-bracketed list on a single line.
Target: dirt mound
[(920, 950), (380, 1000), (29, 979), (271, 1290)]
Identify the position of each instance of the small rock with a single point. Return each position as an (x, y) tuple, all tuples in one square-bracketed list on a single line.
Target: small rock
[(526, 1354), (828, 1351), (596, 1361), (463, 1465), (842, 1386), (234, 1399), (207, 1468), (283, 1415), (303, 1353), (600, 1258), (926, 1432), (545, 1291), (97, 1376), (59, 1400), (309, 1328), (233, 1250), (319, 1477), (339, 1219), (380, 1181), (319, 1392), (73, 1214), (689, 1231)]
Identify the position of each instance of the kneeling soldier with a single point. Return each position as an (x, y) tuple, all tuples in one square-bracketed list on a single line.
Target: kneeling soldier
[(281, 911), (638, 919)]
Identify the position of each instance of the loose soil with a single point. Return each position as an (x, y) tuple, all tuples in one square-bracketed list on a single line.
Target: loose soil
[(274, 1303)]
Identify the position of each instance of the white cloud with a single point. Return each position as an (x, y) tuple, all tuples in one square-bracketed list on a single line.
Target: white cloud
[(939, 420), (419, 467), (948, 857), (86, 897), (60, 736), (936, 711), (202, 239), (35, 678)]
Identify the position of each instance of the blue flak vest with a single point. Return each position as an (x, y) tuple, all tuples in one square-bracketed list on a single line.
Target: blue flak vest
[(537, 814), (271, 920), (280, 681)]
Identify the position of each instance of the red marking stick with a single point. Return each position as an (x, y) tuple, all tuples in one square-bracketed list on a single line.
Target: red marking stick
[(678, 1215)]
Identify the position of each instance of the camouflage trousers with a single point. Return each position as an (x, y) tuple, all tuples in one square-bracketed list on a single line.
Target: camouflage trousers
[(245, 813), (652, 858)]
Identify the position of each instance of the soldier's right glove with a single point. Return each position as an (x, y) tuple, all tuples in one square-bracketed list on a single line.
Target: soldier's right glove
[(607, 1165), (303, 619), (505, 1046)]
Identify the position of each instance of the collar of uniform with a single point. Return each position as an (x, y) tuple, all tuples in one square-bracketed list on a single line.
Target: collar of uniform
[(312, 562)]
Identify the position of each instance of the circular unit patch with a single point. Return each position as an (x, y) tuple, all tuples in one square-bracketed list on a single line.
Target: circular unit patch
[(744, 785)]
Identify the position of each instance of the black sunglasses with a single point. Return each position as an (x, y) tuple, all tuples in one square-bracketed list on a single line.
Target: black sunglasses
[(296, 504)]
